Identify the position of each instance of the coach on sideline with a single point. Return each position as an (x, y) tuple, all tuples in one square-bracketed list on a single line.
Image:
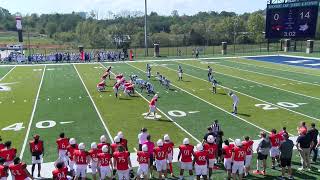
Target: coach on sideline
[(286, 149)]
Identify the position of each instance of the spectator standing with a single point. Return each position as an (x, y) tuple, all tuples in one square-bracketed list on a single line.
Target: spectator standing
[(313, 133), (263, 151), (286, 149), (304, 144), (142, 137)]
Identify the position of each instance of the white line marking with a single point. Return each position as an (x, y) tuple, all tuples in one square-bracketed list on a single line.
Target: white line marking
[(68, 122), (260, 83), (178, 125), (32, 115), (211, 104), (8, 73), (135, 149), (193, 112), (95, 107), (254, 97), (303, 82)]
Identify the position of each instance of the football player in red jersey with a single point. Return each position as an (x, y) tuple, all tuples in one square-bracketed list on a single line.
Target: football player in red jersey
[(122, 163), (116, 88), (123, 141), (93, 152), (160, 156), (106, 74), (103, 141), (153, 106), (62, 144), (37, 152), (212, 149), (227, 154), (81, 158), (3, 170), (8, 153), (238, 158), (70, 150), (248, 145), (101, 86), (105, 163), (201, 162), (275, 140), (61, 172), (114, 146), (19, 170), (185, 153), (143, 159), (168, 145)]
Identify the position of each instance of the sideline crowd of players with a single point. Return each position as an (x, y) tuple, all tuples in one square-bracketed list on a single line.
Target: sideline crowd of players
[(109, 160)]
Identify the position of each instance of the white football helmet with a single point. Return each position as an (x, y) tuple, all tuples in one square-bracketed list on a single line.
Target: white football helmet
[(238, 142), (210, 139), (120, 134), (166, 137), (145, 148), (82, 146), (72, 141), (105, 148), (94, 145), (159, 142), (186, 141), (116, 139), (103, 139), (199, 147)]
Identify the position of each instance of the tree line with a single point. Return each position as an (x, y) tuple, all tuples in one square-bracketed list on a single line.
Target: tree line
[(203, 28)]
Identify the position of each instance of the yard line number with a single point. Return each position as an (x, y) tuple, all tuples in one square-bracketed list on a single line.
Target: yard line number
[(40, 125), (269, 107)]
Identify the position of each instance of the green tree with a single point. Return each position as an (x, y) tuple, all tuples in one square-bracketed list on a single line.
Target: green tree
[(256, 27)]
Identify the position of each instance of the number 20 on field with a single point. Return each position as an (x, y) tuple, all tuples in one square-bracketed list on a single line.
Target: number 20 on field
[(269, 107)]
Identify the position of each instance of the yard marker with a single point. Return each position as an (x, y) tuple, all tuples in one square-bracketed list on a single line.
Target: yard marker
[(32, 115), (8, 73), (254, 97), (68, 122), (163, 112), (102, 121)]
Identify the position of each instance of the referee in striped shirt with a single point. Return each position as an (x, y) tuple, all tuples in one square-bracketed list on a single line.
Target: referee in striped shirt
[(215, 127)]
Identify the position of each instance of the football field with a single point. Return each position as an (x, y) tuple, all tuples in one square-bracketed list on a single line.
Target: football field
[(54, 98)]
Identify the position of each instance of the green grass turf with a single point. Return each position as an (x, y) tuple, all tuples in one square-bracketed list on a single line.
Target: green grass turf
[(274, 72), (125, 114), (4, 70), (268, 94), (59, 102), (196, 124), (17, 105), (247, 109)]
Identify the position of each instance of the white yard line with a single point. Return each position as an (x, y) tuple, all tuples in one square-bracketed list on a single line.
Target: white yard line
[(7, 73), (261, 83), (214, 105), (267, 67), (32, 115), (314, 118), (184, 130), (95, 107), (266, 74)]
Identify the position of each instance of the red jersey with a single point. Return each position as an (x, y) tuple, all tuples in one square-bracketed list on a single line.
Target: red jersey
[(114, 147), (3, 171), (153, 102), (8, 154), (1, 146), (186, 153), (248, 146), (227, 151), (80, 157), (101, 84), (160, 153), (36, 148), (60, 174), (104, 159), (169, 147), (117, 85), (62, 143), (121, 159), (17, 170), (100, 145), (275, 140), (71, 150), (94, 154), (201, 157), (211, 149), (239, 153), (124, 143), (143, 157)]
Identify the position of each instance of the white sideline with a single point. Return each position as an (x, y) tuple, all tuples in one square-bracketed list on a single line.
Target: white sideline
[(47, 168), (95, 107), (164, 113), (7, 73), (214, 105), (32, 115), (250, 96), (267, 74)]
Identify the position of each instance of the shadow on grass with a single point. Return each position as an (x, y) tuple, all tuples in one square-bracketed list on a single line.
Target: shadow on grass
[(246, 115)]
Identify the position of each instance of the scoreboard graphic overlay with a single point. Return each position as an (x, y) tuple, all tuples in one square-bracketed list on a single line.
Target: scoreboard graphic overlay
[(292, 20)]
